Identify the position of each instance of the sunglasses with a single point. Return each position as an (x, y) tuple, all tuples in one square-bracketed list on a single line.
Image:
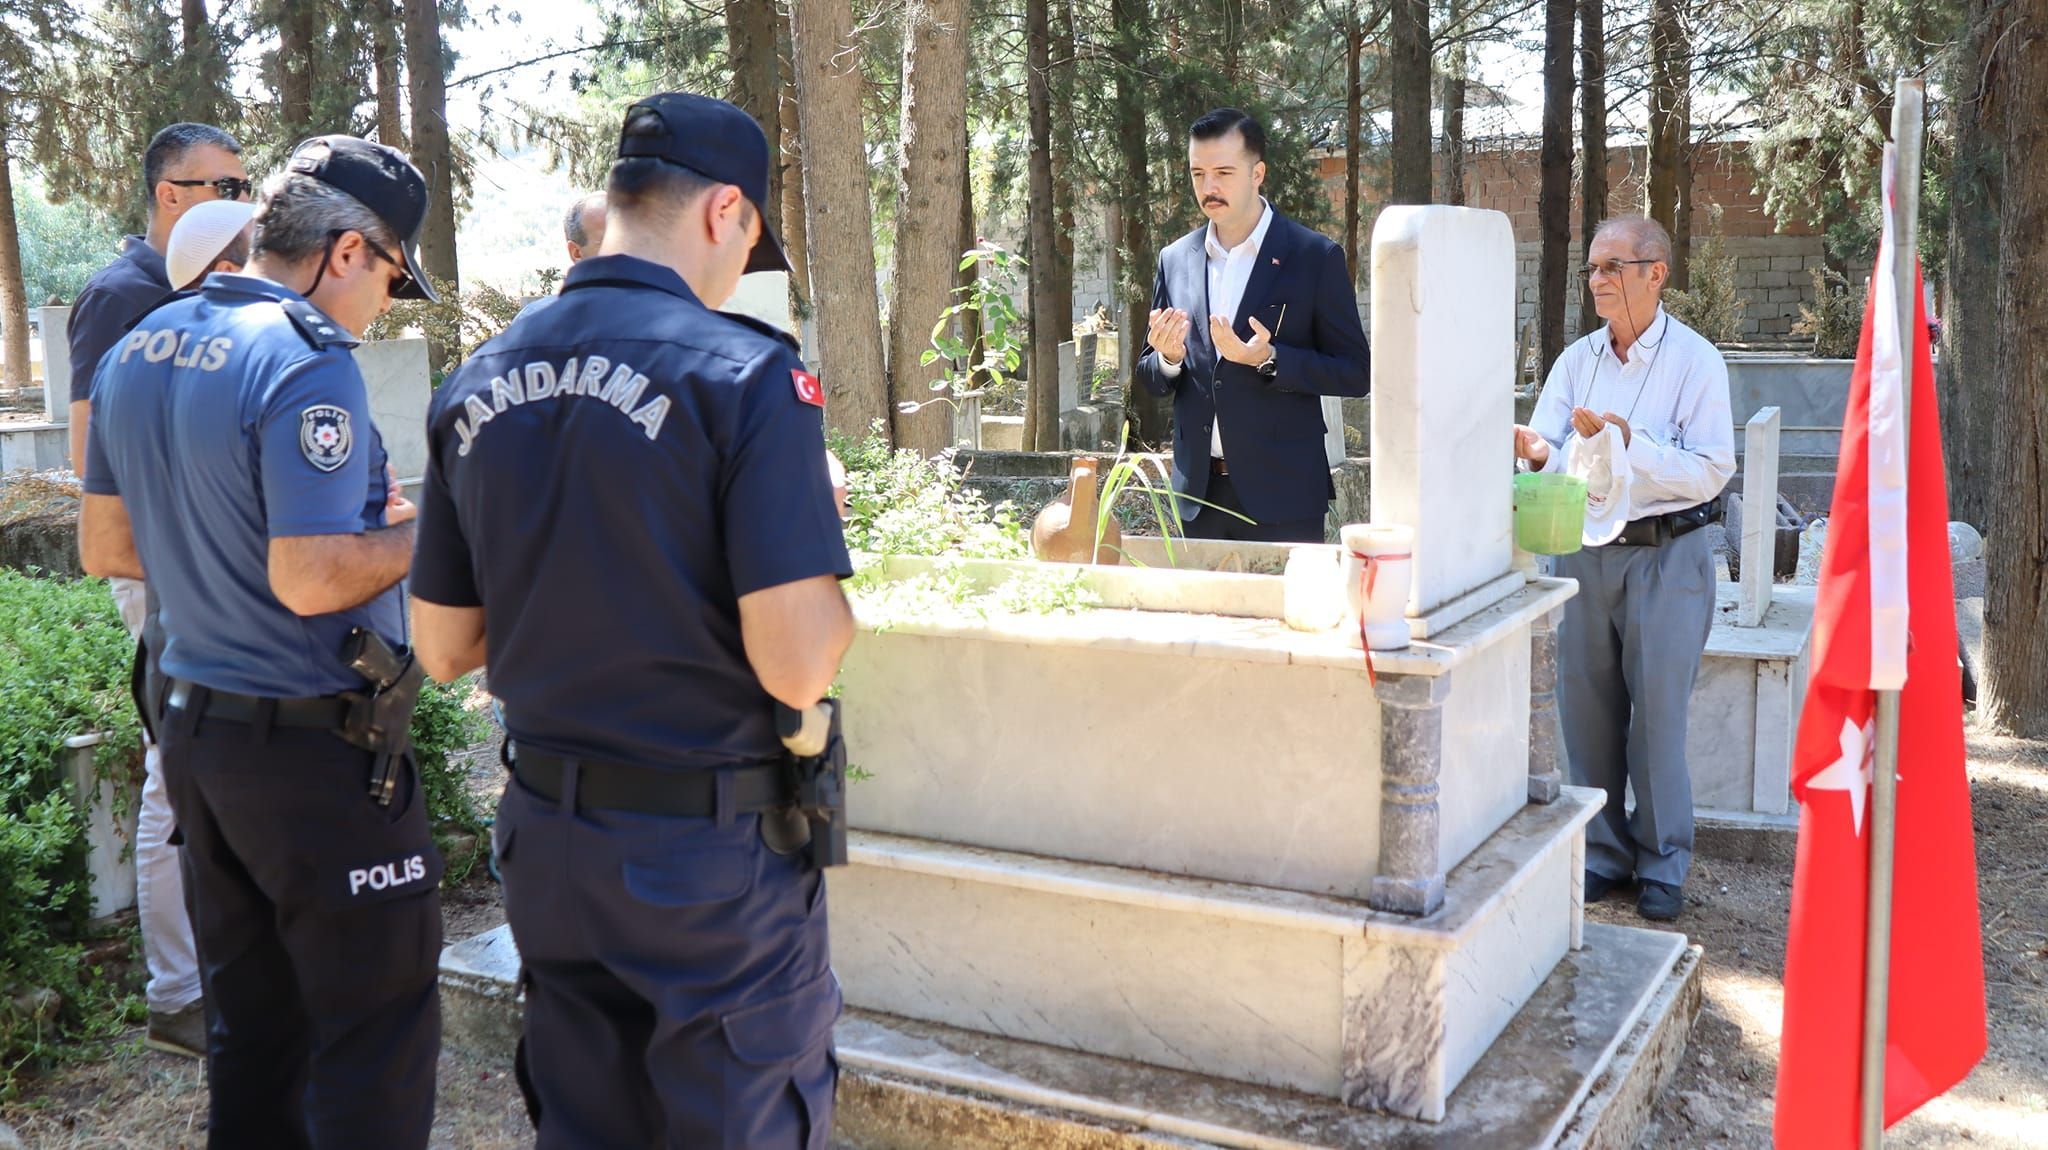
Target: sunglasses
[(227, 187), (400, 282)]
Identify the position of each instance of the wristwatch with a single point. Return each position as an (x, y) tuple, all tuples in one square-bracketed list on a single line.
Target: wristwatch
[(1271, 367)]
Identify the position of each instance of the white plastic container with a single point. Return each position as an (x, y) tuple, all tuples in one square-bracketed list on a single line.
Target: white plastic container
[(1313, 592)]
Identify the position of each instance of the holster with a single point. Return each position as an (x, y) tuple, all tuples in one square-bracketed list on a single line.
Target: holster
[(380, 720), (814, 819)]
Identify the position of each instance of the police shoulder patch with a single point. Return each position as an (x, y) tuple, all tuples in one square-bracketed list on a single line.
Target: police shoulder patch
[(325, 436)]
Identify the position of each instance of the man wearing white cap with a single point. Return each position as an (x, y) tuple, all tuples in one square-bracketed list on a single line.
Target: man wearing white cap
[(211, 237)]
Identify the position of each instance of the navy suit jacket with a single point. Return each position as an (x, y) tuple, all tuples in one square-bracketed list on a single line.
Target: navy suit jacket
[(1300, 289)]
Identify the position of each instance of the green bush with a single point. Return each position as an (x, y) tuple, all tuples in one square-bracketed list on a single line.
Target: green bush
[(900, 503), (441, 727), (64, 660), (1711, 305), (1835, 321)]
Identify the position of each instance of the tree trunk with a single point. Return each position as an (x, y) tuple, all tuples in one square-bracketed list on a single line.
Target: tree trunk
[(427, 79), (1149, 414), (197, 30), (1968, 371), (1354, 123), (1065, 176), (927, 213), (1233, 37), (1666, 136), (1042, 399), (2014, 694), (1409, 64), (1454, 125), (1592, 140), (839, 220), (756, 87), (969, 238), (13, 295), (1554, 189), (790, 164), (384, 24), (295, 66)]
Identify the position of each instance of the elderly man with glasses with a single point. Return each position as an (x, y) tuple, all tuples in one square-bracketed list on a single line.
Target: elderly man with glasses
[(1630, 645)]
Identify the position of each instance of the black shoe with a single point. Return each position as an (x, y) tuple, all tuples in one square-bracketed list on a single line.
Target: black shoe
[(1599, 886), (1660, 901)]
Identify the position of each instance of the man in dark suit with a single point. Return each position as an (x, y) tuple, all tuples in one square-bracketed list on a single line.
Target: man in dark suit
[(1254, 319)]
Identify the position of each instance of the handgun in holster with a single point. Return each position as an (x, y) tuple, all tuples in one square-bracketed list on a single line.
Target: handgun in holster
[(380, 719), (814, 777)]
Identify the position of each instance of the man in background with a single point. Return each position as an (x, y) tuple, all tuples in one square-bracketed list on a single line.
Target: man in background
[(185, 165), (583, 226), (210, 238)]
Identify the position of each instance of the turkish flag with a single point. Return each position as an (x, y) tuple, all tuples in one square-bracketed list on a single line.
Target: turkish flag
[(1885, 619)]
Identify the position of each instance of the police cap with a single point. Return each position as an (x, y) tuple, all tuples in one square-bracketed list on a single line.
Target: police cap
[(718, 141), (381, 179)]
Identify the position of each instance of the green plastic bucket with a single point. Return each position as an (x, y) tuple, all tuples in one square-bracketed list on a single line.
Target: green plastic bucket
[(1550, 513)]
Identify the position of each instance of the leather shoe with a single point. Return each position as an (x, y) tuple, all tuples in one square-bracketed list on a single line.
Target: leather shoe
[(181, 1032), (1660, 901), (1599, 886)]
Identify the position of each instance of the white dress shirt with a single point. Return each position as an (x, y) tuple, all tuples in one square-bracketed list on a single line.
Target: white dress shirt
[(1230, 269), (1673, 391)]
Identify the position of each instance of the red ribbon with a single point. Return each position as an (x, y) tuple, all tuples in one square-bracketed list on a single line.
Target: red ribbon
[(1368, 578)]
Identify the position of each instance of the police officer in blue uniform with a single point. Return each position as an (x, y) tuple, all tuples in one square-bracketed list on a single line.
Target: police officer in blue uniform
[(232, 457), (627, 509)]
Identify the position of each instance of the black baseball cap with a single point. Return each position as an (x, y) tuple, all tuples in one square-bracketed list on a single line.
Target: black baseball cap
[(382, 180), (718, 141)]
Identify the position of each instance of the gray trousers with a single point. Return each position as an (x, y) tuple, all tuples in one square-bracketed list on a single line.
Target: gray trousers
[(1628, 653)]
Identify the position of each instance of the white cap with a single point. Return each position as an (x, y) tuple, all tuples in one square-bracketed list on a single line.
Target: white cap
[(200, 235)]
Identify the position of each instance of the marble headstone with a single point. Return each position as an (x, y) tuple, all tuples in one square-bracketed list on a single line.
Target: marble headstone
[(55, 323), (395, 374), (1069, 377), (1443, 348)]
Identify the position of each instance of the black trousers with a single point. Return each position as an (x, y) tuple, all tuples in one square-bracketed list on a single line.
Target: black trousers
[(1212, 523), (318, 918), (679, 990)]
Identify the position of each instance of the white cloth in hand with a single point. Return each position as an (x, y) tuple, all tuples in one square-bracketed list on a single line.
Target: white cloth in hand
[(1602, 462)]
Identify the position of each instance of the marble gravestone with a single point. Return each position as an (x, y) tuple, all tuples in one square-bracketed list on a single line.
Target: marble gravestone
[(55, 324), (396, 376), (1443, 339)]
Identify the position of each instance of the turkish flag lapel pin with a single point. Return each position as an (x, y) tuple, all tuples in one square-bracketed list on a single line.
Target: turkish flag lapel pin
[(808, 388)]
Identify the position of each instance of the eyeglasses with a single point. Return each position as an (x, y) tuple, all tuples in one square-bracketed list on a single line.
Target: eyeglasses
[(1612, 268), (400, 282), (227, 187)]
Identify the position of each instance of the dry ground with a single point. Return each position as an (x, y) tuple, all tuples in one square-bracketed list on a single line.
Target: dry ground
[(1720, 1100)]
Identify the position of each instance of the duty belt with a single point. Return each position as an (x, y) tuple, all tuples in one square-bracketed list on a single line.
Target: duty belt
[(652, 790), (203, 702), (1657, 530)]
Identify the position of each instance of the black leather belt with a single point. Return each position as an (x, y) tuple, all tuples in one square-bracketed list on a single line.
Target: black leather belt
[(1657, 530), (651, 790), (323, 714)]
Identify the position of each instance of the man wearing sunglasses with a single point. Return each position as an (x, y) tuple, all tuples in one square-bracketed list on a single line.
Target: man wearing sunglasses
[(232, 456), (185, 165)]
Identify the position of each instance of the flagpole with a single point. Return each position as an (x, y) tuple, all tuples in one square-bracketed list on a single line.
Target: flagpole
[(1907, 110)]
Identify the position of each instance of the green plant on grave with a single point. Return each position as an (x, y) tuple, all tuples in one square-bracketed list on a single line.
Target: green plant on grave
[(900, 503), (64, 663), (986, 366), (1711, 305), (1835, 321), (458, 324), (1126, 471)]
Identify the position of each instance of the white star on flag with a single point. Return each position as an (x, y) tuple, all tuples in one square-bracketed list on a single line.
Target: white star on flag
[(1853, 771)]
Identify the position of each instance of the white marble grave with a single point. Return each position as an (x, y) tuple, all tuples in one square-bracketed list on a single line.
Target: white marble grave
[(396, 376), (55, 324), (1443, 343)]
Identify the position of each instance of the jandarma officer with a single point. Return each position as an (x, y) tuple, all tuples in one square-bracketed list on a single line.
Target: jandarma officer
[(627, 511), (232, 430)]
